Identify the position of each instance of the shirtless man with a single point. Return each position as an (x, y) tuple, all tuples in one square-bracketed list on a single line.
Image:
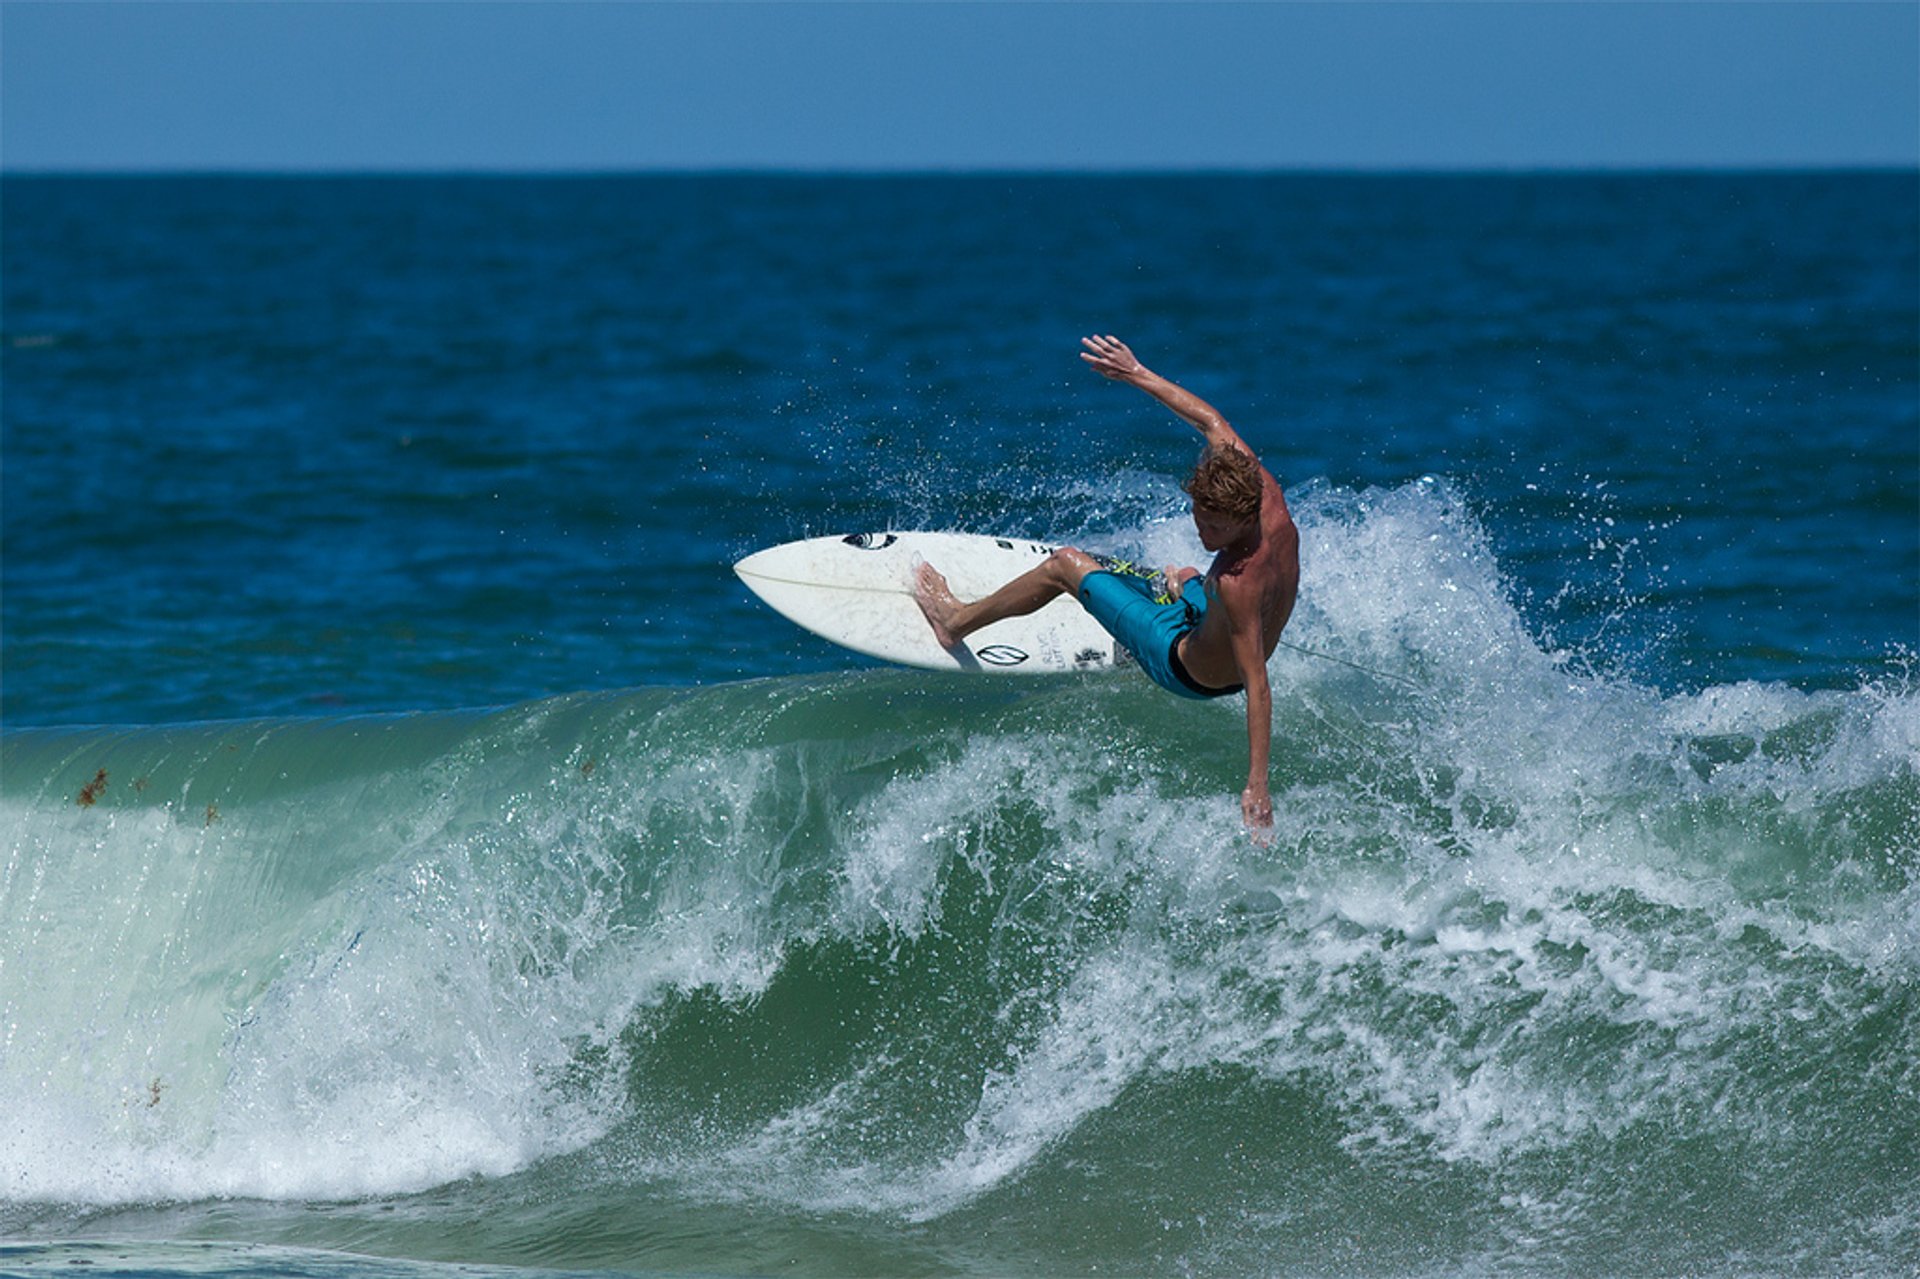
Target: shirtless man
[(1216, 635)]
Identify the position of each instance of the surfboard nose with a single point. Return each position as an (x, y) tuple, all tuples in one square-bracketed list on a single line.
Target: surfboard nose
[(754, 565)]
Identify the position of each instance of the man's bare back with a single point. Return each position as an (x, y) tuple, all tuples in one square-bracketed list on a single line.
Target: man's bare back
[(1261, 578)]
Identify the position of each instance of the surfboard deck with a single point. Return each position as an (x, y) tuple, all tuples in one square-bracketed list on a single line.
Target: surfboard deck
[(857, 591)]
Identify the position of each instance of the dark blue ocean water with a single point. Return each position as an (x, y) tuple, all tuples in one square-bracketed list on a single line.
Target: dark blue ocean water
[(278, 446), (417, 845)]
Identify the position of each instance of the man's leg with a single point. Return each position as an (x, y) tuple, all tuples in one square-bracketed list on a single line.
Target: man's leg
[(953, 621)]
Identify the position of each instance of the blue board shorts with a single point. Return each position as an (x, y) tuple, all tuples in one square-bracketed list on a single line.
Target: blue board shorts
[(1148, 629)]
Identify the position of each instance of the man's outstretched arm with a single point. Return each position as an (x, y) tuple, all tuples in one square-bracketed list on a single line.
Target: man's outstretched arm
[(1110, 356)]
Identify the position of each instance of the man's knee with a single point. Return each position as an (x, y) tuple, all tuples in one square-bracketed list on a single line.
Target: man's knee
[(1069, 564)]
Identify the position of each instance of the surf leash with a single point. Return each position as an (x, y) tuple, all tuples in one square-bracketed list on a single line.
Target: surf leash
[(1329, 657)]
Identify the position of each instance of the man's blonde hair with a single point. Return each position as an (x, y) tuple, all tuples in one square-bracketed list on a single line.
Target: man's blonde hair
[(1226, 482)]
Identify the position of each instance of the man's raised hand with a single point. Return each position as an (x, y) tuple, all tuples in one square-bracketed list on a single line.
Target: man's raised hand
[(1110, 356)]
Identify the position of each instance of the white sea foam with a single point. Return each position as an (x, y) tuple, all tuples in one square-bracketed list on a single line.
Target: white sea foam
[(1537, 851), (1509, 908)]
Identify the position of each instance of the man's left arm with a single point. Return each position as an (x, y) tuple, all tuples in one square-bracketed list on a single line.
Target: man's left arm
[(1249, 655)]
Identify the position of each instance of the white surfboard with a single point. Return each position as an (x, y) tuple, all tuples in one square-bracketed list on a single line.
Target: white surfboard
[(857, 591)]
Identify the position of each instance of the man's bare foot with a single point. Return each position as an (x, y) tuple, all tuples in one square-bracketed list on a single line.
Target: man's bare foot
[(931, 593)]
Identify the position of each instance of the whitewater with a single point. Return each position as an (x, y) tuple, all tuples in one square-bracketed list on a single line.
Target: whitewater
[(1554, 970)]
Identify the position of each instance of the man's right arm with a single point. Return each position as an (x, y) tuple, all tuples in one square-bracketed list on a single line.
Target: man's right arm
[(1111, 357)]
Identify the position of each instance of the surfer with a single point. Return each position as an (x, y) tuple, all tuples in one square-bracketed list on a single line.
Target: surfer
[(1213, 636)]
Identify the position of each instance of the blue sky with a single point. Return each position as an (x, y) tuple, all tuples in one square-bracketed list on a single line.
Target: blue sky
[(595, 86)]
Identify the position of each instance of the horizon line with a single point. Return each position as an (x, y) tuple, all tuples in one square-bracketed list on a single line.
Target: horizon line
[(963, 171)]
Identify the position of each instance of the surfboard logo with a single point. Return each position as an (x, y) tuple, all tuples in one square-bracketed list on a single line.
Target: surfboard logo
[(1001, 654), (870, 541)]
